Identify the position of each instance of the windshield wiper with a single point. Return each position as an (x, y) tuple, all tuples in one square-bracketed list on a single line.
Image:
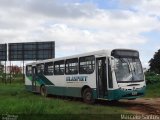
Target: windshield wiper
[(133, 66), (122, 60)]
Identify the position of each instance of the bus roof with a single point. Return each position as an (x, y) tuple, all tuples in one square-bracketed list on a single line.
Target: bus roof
[(96, 53)]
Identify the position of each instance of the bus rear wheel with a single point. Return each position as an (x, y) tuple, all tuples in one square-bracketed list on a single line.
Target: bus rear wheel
[(43, 91), (88, 96)]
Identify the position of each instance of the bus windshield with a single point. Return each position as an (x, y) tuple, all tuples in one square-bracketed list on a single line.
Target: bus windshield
[(128, 69)]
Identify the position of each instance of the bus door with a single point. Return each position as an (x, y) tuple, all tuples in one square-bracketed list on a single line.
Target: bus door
[(34, 72), (101, 77)]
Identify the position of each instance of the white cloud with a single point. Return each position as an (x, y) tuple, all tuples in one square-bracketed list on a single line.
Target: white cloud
[(77, 27), (151, 7), (148, 7)]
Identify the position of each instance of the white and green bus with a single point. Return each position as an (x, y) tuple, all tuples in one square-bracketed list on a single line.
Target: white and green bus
[(107, 74)]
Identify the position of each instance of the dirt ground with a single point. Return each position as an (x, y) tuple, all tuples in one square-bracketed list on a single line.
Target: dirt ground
[(143, 105), (138, 106)]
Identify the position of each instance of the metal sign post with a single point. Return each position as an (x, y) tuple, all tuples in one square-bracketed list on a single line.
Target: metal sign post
[(5, 72), (10, 77), (23, 72), (3, 57)]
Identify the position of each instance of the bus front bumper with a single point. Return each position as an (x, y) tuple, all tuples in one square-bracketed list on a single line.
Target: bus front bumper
[(125, 94)]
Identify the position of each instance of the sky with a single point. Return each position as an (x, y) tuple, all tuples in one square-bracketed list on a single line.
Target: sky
[(79, 26)]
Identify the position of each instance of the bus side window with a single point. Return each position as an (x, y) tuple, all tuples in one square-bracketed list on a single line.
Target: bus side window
[(86, 65), (59, 67), (71, 66), (40, 68), (28, 70), (48, 68)]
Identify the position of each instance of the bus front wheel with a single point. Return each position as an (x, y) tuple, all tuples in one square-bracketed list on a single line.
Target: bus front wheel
[(88, 96), (43, 91)]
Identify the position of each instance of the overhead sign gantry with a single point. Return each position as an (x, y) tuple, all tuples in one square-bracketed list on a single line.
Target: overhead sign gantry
[(27, 51)]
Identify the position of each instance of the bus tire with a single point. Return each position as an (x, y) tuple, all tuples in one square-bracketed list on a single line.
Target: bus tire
[(43, 91), (88, 96)]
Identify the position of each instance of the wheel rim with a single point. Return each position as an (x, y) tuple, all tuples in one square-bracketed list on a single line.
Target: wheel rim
[(88, 96), (43, 91)]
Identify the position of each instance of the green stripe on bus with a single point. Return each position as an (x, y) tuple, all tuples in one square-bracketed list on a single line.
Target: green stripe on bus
[(45, 81), (41, 79), (37, 82)]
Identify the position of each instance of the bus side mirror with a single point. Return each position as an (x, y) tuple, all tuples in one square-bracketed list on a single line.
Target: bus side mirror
[(112, 63)]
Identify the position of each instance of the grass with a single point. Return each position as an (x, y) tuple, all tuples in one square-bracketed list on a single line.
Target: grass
[(153, 90), (14, 99)]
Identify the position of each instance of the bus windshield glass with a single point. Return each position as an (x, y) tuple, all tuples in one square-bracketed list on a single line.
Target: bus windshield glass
[(128, 69)]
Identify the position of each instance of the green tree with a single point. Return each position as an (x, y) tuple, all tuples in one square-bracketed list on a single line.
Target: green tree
[(154, 63)]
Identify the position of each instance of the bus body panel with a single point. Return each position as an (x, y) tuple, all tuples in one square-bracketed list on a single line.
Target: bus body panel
[(71, 85)]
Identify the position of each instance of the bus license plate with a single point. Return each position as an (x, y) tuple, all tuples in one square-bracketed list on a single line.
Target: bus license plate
[(134, 93)]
